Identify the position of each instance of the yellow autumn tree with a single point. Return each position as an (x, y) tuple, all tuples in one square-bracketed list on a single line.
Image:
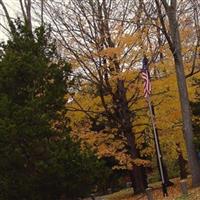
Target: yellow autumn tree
[(105, 42)]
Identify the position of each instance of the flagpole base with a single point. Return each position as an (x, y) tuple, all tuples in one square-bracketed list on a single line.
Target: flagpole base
[(164, 189)]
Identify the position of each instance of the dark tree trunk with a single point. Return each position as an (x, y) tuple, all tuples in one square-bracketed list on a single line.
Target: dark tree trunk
[(138, 173), (181, 162), (138, 179), (182, 166)]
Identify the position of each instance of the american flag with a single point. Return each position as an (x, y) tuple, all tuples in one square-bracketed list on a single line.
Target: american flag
[(146, 77)]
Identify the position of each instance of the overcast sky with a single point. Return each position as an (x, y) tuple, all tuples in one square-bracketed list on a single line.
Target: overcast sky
[(13, 9)]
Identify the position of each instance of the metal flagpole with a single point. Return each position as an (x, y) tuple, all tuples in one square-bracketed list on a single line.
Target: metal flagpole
[(147, 90), (158, 152)]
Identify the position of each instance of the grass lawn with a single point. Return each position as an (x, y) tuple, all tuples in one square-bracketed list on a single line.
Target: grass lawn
[(174, 193)]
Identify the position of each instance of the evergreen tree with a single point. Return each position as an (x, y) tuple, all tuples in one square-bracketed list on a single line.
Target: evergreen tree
[(38, 158)]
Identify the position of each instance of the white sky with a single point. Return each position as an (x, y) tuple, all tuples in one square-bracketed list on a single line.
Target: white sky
[(13, 9)]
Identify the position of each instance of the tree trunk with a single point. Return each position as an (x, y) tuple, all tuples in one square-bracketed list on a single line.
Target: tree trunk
[(138, 173), (183, 94), (138, 179)]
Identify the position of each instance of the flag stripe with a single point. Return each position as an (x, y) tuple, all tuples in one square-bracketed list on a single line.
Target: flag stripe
[(147, 84), (146, 77)]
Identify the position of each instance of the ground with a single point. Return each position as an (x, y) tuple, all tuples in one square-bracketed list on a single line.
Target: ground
[(174, 193)]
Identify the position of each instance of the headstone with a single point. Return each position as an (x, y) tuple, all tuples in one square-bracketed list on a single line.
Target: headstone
[(128, 184), (149, 194), (92, 196), (183, 184), (109, 190)]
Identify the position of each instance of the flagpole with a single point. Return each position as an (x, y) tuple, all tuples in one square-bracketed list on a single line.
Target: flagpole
[(158, 151), (147, 91)]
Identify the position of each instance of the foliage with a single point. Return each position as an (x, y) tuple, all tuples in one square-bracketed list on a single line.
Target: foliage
[(38, 158), (108, 52), (195, 104), (105, 43)]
